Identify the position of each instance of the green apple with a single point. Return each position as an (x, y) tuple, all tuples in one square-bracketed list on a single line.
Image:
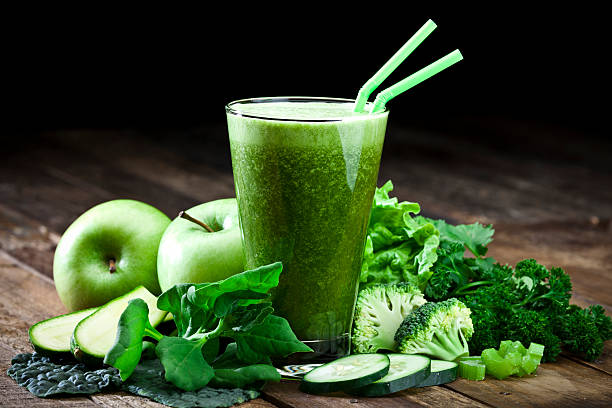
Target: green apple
[(190, 253), (108, 251)]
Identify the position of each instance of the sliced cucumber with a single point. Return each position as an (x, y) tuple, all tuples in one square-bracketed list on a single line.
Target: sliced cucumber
[(442, 372), (95, 335), (405, 371), (51, 337), (346, 373)]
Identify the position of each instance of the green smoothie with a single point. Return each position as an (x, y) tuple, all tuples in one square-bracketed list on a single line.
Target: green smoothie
[(305, 170)]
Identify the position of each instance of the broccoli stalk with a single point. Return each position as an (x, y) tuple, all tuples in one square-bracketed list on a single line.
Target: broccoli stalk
[(379, 311), (440, 330)]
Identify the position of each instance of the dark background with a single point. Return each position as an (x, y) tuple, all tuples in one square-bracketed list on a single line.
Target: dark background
[(167, 72)]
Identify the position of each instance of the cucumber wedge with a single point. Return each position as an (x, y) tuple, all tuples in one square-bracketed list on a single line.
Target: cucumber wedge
[(405, 371), (442, 372), (95, 335), (346, 373), (51, 337)]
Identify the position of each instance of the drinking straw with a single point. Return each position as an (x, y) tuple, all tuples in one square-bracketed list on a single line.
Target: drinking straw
[(386, 70), (432, 69)]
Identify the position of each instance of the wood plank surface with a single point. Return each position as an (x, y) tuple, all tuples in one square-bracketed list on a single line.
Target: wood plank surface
[(556, 211)]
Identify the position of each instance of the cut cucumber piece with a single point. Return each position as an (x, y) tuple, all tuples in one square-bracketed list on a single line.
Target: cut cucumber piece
[(472, 370), (405, 371), (51, 337), (346, 373), (442, 372), (95, 335)]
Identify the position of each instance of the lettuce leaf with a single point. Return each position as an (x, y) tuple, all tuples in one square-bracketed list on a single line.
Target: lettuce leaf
[(399, 247)]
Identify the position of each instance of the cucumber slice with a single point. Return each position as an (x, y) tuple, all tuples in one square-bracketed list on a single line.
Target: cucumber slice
[(346, 373), (95, 335), (442, 372), (405, 371), (51, 337)]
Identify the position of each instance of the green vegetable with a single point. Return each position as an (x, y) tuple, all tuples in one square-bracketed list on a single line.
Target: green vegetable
[(512, 358), (132, 328), (529, 303), (438, 329), (47, 377), (497, 365), (379, 311), (453, 273), (346, 373), (94, 336), (236, 307), (44, 376), (442, 372), (405, 371), (148, 381), (51, 337), (242, 376), (399, 247), (583, 331), (472, 370), (514, 307)]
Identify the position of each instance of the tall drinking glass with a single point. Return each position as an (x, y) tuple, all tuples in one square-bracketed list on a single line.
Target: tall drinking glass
[(305, 170)]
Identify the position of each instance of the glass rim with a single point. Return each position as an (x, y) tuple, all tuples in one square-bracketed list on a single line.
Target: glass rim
[(230, 110)]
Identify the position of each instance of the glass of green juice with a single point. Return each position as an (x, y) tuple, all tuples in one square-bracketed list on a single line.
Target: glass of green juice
[(305, 171)]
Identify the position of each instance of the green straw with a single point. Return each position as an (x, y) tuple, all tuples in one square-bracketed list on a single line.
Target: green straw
[(386, 70), (432, 69)]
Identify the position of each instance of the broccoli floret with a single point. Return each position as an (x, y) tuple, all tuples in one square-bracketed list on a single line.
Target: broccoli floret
[(440, 330), (379, 311)]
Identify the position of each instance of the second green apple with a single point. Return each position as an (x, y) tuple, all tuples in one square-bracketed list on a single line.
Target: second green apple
[(189, 253)]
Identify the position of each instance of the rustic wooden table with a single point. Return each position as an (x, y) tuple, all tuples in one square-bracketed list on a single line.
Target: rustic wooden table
[(550, 201)]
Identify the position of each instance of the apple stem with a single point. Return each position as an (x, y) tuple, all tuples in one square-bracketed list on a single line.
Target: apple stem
[(111, 265), (186, 216)]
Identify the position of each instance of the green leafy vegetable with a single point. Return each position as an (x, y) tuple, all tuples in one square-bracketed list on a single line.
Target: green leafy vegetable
[(236, 307), (399, 247), (184, 363), (243, 376), (148, 381), (272, 338), (454, 274), (133, 326)]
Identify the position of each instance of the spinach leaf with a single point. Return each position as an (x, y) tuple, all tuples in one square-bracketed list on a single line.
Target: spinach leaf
[(236, 308), (133, 326), (272, 338), (243, 376), (247, 318), (188, 317), (259, 280), (184, 363)]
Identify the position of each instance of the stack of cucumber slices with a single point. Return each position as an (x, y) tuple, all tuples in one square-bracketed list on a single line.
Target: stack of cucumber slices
[(374, 375), (89, 334)]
